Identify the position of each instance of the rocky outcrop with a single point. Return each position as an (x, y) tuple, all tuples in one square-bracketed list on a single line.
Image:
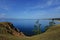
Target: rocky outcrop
[(7, 27)]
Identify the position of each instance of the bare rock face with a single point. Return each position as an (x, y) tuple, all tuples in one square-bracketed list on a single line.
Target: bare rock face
[(7, 27)]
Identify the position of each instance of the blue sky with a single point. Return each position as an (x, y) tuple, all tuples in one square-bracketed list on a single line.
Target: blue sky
[(29, 9)]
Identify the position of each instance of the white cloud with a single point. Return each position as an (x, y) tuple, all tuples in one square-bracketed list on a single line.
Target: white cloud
[(3, 5), (58, 8), (49, 3), (52, 3), (2, 15)]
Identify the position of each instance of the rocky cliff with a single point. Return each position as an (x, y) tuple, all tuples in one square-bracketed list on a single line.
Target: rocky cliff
[(7, 27)]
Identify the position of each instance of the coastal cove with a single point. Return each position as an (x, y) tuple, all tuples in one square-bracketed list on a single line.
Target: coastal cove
[(27, 25)]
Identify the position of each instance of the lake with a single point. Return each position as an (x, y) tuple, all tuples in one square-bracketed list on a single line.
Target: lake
[(27, 25)]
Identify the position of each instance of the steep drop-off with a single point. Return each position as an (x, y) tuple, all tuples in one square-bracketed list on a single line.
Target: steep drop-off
[(7, 28)]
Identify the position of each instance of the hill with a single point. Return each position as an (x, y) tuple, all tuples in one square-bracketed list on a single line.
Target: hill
[(9, 32), (53, 33)]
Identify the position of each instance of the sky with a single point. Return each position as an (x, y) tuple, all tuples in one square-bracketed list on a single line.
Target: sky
[(29, 9)]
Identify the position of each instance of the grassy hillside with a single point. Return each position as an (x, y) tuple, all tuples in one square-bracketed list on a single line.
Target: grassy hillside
[(51, 34), (8, 32)]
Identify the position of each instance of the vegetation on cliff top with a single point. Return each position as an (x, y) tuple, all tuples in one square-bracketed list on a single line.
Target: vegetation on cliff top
[(7, 32)]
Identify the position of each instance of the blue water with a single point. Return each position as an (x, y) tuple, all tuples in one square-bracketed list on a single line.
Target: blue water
[(26, 25)]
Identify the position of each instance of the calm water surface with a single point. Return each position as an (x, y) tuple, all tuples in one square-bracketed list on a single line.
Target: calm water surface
[(27, 25)]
